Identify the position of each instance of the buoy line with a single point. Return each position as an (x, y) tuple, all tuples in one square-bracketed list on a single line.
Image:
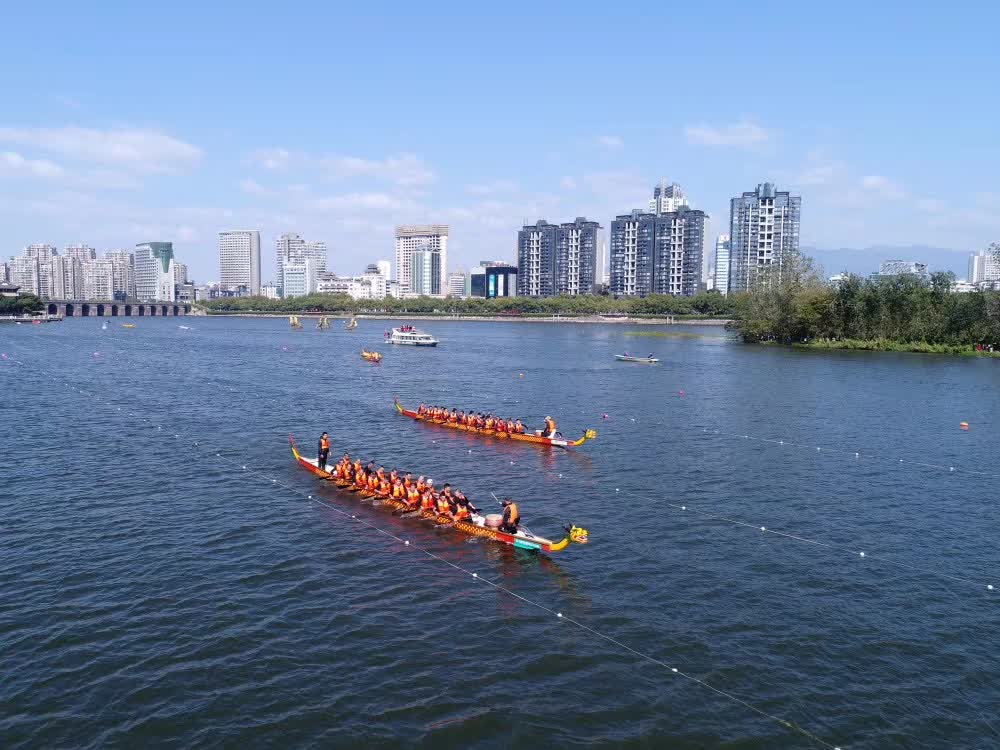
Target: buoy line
[(764, 528), (468, 574)]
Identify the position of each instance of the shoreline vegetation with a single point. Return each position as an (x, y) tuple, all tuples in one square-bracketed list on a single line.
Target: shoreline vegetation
[(791, 304)]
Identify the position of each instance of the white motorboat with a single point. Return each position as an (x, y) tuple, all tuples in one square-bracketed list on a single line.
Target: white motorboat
[(641, 360), (410, 336)]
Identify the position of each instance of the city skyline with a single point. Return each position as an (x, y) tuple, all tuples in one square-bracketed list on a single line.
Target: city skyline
[(83, 160)]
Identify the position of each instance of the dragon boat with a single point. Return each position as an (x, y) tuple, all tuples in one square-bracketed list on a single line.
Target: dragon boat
[(535, 439), (476, 526), (371, 356)]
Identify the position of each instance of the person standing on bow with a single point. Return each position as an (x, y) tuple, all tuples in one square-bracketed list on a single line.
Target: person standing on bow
[(550, 428), (324, 451), (511, 516)]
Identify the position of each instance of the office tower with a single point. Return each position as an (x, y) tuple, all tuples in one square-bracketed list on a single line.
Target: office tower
[(25, 272), (763, 231), (721, 276), (493, 279), (425, 272), (456, 284), (154, 272), (239, 260), (123, 273), (291, 248), (299, 277), (413, 238), (660, 252), (384, 268)]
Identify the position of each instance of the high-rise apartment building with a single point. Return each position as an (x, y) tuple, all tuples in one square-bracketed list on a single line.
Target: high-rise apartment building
[(4, 273), (721, 274), (291, 248), (660, 252), (559, 259), (239, 260), (42, 253), (413, 238), (98, 279), (536, 259), (763, 231), (154, 272), (180, 273), (977, 268), (82, 253), (667, 198), (123, 273), (984, 267), (25, 272), (65, 278)]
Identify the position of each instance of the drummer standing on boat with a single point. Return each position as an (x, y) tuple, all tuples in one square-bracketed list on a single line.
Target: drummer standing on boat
[(324, 451)]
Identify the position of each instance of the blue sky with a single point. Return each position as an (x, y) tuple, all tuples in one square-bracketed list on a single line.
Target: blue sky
[(124, 123)]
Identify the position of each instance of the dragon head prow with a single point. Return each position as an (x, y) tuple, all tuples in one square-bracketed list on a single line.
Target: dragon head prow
[(577, 534)]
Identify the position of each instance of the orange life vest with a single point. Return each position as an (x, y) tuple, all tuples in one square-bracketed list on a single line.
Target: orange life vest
[(550, 426), (514, 515), (500, 426), (324, 444), (443, 506), (360, 479), (384, 487), (427, 500), (372, 482), (421, 486), (412, 496), (398, 491), (489, 423), (461, 512)]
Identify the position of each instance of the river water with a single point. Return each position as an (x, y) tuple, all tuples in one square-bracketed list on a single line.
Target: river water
[(157, 594)]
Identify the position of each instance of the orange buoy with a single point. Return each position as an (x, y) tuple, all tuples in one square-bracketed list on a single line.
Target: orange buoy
[(963, 425)]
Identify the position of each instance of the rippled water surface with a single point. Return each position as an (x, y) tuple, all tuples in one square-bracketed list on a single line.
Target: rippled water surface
[(157, 594)]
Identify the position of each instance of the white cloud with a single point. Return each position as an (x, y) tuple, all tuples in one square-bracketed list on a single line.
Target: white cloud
[(405, 170), (252, 187), (138, 149), (272, 158), (567, 183), (360, 201), (16, 164), (882, 186), (489, 188), (931, 205), (611, 142), (742, 134), (817, 175)]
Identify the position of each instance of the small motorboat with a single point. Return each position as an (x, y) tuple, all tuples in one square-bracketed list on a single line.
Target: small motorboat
[(128, 325), (641, 360)]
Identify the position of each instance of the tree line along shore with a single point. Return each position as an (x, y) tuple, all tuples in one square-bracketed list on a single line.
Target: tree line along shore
[(794, 306)]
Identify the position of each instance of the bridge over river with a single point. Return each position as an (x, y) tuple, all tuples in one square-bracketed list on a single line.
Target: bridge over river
[(79, 309)]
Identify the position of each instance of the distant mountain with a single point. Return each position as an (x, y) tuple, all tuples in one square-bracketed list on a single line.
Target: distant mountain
[(866, 261)]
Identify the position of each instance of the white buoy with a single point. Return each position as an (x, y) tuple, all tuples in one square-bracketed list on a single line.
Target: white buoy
[(762, 528), (862, 554), (673, 669), (406, 543), (989, 586), (475, 575), (558, 614)]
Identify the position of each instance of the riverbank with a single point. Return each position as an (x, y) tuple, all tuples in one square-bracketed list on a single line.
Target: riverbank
[(589, 319), (886, 345)]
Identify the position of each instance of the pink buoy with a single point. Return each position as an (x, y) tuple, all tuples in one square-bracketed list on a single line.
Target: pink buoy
[(3, 356), (605, 416), (680, 393), (96, 355), (284, 348)]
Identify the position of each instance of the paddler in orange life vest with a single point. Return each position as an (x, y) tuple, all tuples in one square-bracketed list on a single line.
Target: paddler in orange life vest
[(443, 503), (463, 509), (511, 516), (550, 428), (519, 427), (324, 451), (429, 497)]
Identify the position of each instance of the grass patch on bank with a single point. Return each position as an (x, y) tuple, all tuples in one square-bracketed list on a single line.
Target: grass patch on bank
[(887, 345)]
